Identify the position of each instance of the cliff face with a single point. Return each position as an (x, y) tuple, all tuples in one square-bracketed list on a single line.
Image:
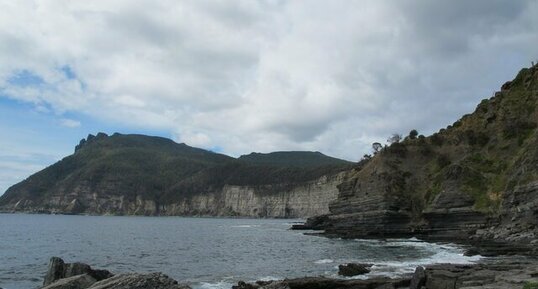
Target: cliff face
[(476, 179), (302, 200), (140, 175)]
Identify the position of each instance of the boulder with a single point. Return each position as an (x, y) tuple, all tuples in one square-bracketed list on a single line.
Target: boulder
[(58, 269), (419, 278), (353, 269), (55, 270), (82, 281), (139, 281)]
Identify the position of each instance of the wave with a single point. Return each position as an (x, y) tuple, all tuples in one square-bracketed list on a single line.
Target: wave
[(324, 261), (440, 253), (245, 226)]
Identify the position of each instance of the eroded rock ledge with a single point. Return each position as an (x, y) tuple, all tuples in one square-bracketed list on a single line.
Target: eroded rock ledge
[(61, 275), (498, 273), (513, 272)]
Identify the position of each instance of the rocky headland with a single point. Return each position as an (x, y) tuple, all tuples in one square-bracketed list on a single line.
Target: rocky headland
[(475, 181), (153, 176)]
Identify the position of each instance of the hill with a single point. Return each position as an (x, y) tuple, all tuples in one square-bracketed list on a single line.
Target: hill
[(293, 159), (131, 169), (476, 178)]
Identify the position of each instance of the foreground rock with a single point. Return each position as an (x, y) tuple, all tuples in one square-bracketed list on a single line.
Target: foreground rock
[(61, 275), (513, 272), (82, 281), (139, 281), (327, 283), (58, 269), (353, 269), (505, 273)]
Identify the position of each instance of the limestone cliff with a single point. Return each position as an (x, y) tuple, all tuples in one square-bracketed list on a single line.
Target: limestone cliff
[(141, 175), (302, 200)]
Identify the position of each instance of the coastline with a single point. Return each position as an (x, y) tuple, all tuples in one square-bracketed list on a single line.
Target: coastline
[(508, 272)]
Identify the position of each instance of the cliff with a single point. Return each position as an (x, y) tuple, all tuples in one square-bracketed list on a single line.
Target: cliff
[(474, 180), (142, 175)]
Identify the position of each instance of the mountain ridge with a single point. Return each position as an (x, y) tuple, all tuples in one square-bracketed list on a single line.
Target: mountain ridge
[(135, 168)]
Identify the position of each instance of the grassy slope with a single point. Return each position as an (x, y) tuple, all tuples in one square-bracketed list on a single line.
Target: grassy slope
[(483, 154)]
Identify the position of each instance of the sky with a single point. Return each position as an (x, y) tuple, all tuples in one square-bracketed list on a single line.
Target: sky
[(248, 76)]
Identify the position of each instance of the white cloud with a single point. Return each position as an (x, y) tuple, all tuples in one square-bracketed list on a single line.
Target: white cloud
[(266, 75), (71, 123)]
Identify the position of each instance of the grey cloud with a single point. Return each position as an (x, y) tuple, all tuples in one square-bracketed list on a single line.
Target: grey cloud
[(270, 75)]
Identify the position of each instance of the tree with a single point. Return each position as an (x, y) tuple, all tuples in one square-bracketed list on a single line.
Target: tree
[(413, 134), (377, 147), (394, 138)]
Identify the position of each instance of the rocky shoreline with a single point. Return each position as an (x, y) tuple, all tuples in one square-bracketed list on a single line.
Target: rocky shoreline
[(504, 272)]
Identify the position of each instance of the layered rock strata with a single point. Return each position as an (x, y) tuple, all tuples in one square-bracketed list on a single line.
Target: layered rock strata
[(284, 201)]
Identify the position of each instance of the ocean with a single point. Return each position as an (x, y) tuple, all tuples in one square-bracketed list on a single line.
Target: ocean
[(204, 252)]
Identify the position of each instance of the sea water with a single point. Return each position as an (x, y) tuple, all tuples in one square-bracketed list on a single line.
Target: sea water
[(204, 252)]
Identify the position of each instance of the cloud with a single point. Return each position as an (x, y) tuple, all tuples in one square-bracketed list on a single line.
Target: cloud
[(71, 123), (264, 75)]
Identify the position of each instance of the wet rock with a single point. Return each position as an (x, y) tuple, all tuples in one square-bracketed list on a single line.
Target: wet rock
[(75, 282), (419, 278), (353, 269), (55, 270), (329, 283), (501, 273), (139, 281), (471, 252), (244, 285), (312, 223), (58, 269)]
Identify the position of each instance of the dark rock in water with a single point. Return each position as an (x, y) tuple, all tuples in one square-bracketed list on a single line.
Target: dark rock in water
[(244, 285), (58, 269), (419, 278), (55, 270), (471, 252), (61, 275), (82, 281), (353, 269), (312, 223), (139, 281)]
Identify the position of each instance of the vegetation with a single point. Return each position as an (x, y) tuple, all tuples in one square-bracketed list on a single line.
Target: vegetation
[(483, 154), (530, 285), (162, 170)]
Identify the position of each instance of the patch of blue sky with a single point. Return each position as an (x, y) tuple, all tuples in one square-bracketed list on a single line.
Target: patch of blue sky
[(216, 149), (25, 78), (68, 72), (33, 139)]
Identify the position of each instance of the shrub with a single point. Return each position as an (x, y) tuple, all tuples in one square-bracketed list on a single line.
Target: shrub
[(443, 161), (398, 149), (437, 139), (413, 134)]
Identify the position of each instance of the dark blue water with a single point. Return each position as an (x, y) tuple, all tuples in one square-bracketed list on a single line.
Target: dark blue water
[(205, 252)]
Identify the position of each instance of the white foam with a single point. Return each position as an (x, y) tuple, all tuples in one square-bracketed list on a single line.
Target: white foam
[(324, 261), (245, 226), (270, 278), (440, 253), (217, 285)]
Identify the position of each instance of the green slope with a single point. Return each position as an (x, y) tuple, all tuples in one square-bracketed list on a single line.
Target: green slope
[(159, 169)]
